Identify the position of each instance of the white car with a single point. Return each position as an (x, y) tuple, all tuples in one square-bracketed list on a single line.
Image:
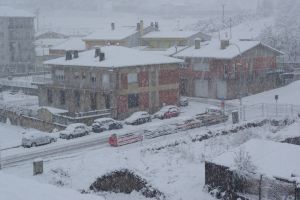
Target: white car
[(137, 118), (36, 139), (74, 130)]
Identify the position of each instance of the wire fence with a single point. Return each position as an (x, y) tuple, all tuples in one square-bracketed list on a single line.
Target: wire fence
[(249, 112)]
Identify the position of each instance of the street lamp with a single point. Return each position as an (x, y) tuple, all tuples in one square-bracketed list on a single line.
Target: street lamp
[(240, 65)]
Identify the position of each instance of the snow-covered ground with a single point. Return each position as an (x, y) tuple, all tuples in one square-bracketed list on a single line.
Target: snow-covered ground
[(287, 95)]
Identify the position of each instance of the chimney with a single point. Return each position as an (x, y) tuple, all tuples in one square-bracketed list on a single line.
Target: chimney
[(224, 44), (156, 26), (97, 52), (68, 55), (75, 54), (101, 56), (141, 27), (197, 43), (112, 26)]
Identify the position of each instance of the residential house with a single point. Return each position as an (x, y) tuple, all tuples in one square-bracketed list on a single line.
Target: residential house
[(167, 39), (228, 69), (17, 53), (122, 79), (123, 36), (50, 35)]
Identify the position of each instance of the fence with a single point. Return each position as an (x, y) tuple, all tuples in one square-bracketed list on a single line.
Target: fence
[(248, 112), (259, 187)]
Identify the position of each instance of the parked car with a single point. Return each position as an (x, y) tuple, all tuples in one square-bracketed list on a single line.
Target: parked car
[(104, 124), (189, 124), (137, 118), (167, 112), (184, 101), (36, 139), (160, 131), (74, 131), (211, 116), (127, 138)]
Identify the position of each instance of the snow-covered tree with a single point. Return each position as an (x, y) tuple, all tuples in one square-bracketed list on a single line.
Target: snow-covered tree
[(243, 163)]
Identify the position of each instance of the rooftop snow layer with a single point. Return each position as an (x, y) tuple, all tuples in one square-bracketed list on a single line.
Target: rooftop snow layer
[(115, 56), (271, 158), (212, 49), (74, 43), (169, 34), (117, 34), (6, 11), (15, 188)]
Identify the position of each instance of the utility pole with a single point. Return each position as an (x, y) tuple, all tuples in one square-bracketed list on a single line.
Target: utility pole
[(230, 24), (223, 14), (37, 19)]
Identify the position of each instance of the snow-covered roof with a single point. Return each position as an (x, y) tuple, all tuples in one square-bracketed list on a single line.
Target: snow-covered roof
[(6, 11), (117, 34), (169, 34), (115, 56), (16, 188), (271, 158), (165, 52), (211, 49), (74, 43)]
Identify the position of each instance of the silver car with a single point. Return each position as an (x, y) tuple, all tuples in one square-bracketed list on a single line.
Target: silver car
[(36, 139), (74, 131)]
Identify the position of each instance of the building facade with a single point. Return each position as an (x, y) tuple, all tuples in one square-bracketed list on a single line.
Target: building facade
[(167, 39), (125, 81), (17, 53), (227, 69), (123, 36)]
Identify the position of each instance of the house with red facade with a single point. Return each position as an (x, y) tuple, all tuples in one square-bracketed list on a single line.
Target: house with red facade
[(114, 78), (228, 69)]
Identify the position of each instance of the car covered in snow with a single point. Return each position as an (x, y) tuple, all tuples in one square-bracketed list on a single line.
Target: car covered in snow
[(137, 118), (116, 140), (74, 131), (160, 131), (212, 115), (183, 101), (33, 139), (104, 124), (167, 112), (189, 124)]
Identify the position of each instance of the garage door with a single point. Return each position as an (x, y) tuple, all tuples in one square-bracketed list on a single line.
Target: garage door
[(221, 90), (201, 88)]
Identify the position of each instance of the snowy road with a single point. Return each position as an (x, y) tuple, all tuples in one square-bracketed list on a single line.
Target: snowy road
[(9, 161)]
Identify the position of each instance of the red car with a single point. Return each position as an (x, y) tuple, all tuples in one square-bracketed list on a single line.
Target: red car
[(128, 138), (167, 112)]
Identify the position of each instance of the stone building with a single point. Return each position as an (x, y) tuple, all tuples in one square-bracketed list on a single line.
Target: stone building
[(122, 36), (113, 77), (228, 69), (17, 53)]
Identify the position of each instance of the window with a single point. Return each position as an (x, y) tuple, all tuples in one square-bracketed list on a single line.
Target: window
[(62, 97), (132, 78), (201, 64), (50, 96), (93, 78), (60, 75), (76, 75), (83, 75), (77, 98), (133, 100), (153, 78), (105, 80), (93, 97), (107, 101)]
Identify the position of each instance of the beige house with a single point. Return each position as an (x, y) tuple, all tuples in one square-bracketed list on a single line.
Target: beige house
[(167, 39)]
